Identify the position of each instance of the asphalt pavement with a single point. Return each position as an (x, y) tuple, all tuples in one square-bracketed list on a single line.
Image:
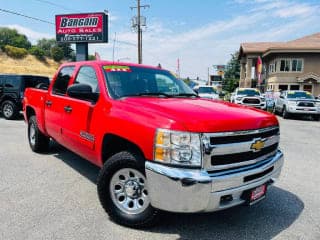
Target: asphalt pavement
[(53, 196)]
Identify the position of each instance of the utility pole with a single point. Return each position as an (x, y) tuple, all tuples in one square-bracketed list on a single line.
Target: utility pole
[(137, 23)]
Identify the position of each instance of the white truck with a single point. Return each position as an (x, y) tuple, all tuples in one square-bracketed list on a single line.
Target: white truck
[(249, 97), (297, 103)]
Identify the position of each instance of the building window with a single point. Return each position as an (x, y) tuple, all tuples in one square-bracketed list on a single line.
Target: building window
[(294, 87), (284, 65), (283, 87), (296, 65)]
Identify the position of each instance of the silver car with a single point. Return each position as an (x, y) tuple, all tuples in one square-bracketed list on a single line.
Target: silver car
[(297, 103)]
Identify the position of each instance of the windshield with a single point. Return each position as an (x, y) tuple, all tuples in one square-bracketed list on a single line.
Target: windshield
[(125, 81), (305, 95), (209, 90), (248, 92)]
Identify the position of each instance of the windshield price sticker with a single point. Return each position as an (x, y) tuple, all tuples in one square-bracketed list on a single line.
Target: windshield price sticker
[(115, 68)]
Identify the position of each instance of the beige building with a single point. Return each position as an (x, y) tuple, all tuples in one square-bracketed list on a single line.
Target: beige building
[(293, 65)]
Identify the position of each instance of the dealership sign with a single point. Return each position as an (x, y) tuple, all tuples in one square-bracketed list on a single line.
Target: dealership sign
[(82, 27)]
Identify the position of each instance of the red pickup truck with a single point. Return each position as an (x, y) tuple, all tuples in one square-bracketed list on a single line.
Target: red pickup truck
[(159, 145)]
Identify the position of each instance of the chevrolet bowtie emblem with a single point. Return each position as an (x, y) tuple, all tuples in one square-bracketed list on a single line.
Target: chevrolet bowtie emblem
[(257, 145)]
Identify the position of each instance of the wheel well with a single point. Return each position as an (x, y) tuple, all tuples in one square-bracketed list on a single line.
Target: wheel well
[(7, 98), (113, 144), (30, 112)]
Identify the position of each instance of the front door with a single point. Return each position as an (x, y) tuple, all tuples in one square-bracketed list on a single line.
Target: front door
[(77, 113)]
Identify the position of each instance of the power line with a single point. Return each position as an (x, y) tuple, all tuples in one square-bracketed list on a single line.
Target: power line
[(55, 4), (22, 15)]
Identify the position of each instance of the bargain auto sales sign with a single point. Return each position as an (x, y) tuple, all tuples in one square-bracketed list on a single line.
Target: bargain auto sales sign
[(82, 27)]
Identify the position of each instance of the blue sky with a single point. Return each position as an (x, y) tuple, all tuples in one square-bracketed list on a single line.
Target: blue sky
[(199, 33)]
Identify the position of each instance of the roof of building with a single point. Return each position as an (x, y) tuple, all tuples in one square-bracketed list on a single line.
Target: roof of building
[(310, 42)]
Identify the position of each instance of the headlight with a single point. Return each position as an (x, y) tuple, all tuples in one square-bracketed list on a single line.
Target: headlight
[(174, 147), (317, 104), (239, 98), (291, 103), (263, 99)]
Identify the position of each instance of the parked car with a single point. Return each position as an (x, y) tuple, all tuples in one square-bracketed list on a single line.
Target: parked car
[(297, 103), (158, 144), (12, 89), (249, 97), (205, 91)]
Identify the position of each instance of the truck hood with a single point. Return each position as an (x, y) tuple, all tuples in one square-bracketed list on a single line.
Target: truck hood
[(201, 115)]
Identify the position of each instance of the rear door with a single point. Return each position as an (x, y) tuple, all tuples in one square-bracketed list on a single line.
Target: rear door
[(76, 128), (55, 102)]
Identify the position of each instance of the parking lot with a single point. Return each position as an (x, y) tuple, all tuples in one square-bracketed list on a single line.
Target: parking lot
[(53, 196)]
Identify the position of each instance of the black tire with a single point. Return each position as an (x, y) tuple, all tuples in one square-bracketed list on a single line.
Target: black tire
[(110, 194), (9, 110), (285, 114), (37, 140), (316, 117)]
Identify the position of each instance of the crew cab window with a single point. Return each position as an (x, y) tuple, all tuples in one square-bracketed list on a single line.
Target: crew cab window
[(61, 83), (87, 75)]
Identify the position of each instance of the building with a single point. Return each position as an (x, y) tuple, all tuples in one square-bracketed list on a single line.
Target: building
[(293, 65)]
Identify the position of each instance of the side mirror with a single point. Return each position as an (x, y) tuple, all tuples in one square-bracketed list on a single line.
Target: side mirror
[(83, 92)]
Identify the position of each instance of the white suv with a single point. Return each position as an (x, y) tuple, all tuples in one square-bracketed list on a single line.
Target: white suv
[(249, 97), (206, 91)]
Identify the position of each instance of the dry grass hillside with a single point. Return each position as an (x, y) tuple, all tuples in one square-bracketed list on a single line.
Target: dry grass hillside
[(27, 65)]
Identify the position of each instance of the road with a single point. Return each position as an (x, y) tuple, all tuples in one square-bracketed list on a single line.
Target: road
[(53, 196)]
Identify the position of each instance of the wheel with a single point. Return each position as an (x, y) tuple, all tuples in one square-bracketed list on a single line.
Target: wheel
[(285, 114), (37, 140), (123, 191), (9, 110)]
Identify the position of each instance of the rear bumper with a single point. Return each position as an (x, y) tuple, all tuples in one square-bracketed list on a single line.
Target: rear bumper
[(189, 190)]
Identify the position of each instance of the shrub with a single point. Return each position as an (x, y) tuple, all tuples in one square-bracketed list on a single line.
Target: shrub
[(37, 52), (15, 52), (57, 54)]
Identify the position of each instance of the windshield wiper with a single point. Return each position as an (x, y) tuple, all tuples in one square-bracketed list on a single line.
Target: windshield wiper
[(154, 94), (186, 95)]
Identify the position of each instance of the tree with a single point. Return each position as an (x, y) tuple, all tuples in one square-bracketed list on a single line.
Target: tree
[(46, 45), (57, 53), (232, 73), (11, 37)]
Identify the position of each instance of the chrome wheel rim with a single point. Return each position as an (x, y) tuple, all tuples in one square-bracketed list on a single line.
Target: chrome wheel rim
[(7, 110), (128, 191), (32, 134)]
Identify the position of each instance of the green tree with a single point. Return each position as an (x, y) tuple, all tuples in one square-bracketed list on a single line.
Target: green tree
[(232, 73), (67, 50), (57, 53), (46, 45), (11, 37)]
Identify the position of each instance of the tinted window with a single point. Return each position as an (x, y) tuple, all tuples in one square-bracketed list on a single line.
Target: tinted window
[(87, 75), (63, 78), (306, 95), (33, 81), (209, 90), (12, 82), (248, 92)]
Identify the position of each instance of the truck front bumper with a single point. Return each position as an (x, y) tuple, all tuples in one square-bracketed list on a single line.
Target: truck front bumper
[(196, 190)]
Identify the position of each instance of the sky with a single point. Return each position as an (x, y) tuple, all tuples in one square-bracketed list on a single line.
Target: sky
[(198, 33)]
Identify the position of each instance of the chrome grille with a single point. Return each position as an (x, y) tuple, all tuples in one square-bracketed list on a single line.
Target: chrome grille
[(305, 104), (251, 101), (230, 150)]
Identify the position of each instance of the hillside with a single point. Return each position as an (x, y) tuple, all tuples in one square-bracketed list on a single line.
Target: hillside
[(27, 65)]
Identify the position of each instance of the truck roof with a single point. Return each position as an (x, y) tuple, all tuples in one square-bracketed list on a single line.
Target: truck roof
[(104, 62)]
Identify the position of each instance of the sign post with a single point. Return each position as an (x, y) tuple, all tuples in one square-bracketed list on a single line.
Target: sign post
[(81, 29)]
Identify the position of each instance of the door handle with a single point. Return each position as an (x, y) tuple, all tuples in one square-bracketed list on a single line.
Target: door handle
[(68, 109), (48, 103)]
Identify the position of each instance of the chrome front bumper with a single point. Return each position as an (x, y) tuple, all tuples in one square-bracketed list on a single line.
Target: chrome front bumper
[(191, 190)]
